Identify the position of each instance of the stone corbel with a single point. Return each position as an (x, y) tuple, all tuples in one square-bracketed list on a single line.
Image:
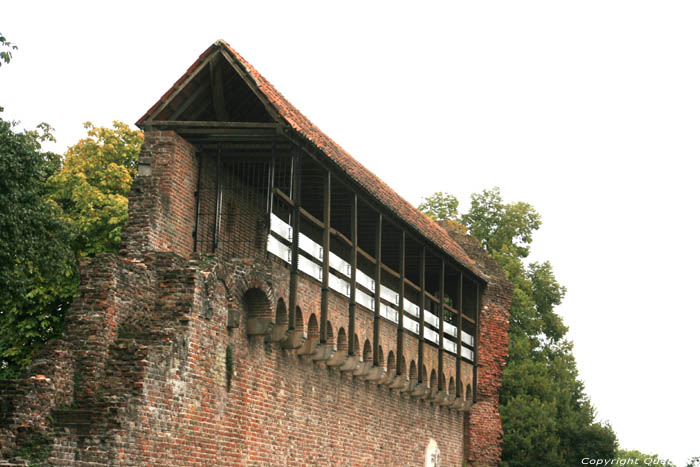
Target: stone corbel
[(350, 363), (259, 326), (420, 391), (457, 403), (280, 333), (388, 377), (446, 399), (375, 373), (323, 353), (466, 405), (308, 347), (295, 340), (338, 358), (400, 382), (362, 369)]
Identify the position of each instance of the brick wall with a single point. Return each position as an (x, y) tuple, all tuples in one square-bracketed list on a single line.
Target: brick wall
[(156, 367)]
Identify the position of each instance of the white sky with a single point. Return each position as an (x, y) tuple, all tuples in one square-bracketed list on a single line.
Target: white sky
[(587, 110)]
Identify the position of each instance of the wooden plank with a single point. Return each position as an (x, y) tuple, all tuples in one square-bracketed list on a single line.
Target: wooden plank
[(458, 357), (475, 362), (283, 196), (252, 85), (217, 91), (190, 100), (441, 372), (402, 272), (307, 215), (209, 124), (326, 255), (294, 270), (377, 292), (421, 339), (182, 86), (353, 278)]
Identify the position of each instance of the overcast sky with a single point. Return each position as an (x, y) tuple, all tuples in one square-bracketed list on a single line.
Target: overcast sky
[(587, 110)]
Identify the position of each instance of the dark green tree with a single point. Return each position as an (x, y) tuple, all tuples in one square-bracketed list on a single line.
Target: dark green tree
[(547, 417), (38, 269)]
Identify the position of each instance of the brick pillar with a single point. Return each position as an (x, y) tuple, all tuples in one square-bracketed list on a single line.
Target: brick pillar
[(162, 198)]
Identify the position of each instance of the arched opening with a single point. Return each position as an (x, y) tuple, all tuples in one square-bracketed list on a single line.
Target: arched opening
[(356, 344), (451, 389), (312, 328), (442, 383), (367, 351), (433, 379), (342, 340), (299, 320), (259, 316), (256, 304), (281, 312), (413, 370), (329, 333), (469, 391), (424, 375), (391, 361), (380, 356), (460, 389)]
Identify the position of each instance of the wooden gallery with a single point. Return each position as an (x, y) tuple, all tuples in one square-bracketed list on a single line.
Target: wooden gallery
[(274, 303)]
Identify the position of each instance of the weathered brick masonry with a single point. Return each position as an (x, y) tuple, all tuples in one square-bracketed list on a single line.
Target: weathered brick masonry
[(178, 351)]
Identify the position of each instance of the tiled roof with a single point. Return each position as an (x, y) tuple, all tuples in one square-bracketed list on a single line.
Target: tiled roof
[(356, 171)]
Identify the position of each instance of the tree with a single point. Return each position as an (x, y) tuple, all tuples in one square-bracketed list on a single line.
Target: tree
[(50, 214), (6, 48), (547, 417), (93, 185), (38, 270), (440, 206)]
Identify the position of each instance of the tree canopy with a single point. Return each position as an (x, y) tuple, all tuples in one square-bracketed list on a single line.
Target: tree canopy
[(37, 266), (52, 211), (547, 417)]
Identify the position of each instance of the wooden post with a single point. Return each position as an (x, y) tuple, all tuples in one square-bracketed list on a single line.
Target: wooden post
[(294, 270), (402, 277), (217, 201), (442, 320), (353, 276), (476, 341), (377, 291), (421, 301), (458, 358), (326, 254)]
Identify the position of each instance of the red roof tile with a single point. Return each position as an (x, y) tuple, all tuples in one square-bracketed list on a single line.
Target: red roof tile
[(359, 173)]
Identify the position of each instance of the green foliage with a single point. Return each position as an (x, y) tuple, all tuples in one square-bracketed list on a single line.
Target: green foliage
[(547, 417), (93, 186), (6, 48), (38, 270), (51, 213), (440, 206)]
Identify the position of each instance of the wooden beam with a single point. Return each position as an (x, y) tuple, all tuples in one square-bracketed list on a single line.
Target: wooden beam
[(190, 100), (294, 269), (475, 360), (198, 197), (326, 255), (253, 87), (458, 359), (421, 301), (182, 85), (402, 271), (441, 371), (377, 292), (353, 277), (208, 124)]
